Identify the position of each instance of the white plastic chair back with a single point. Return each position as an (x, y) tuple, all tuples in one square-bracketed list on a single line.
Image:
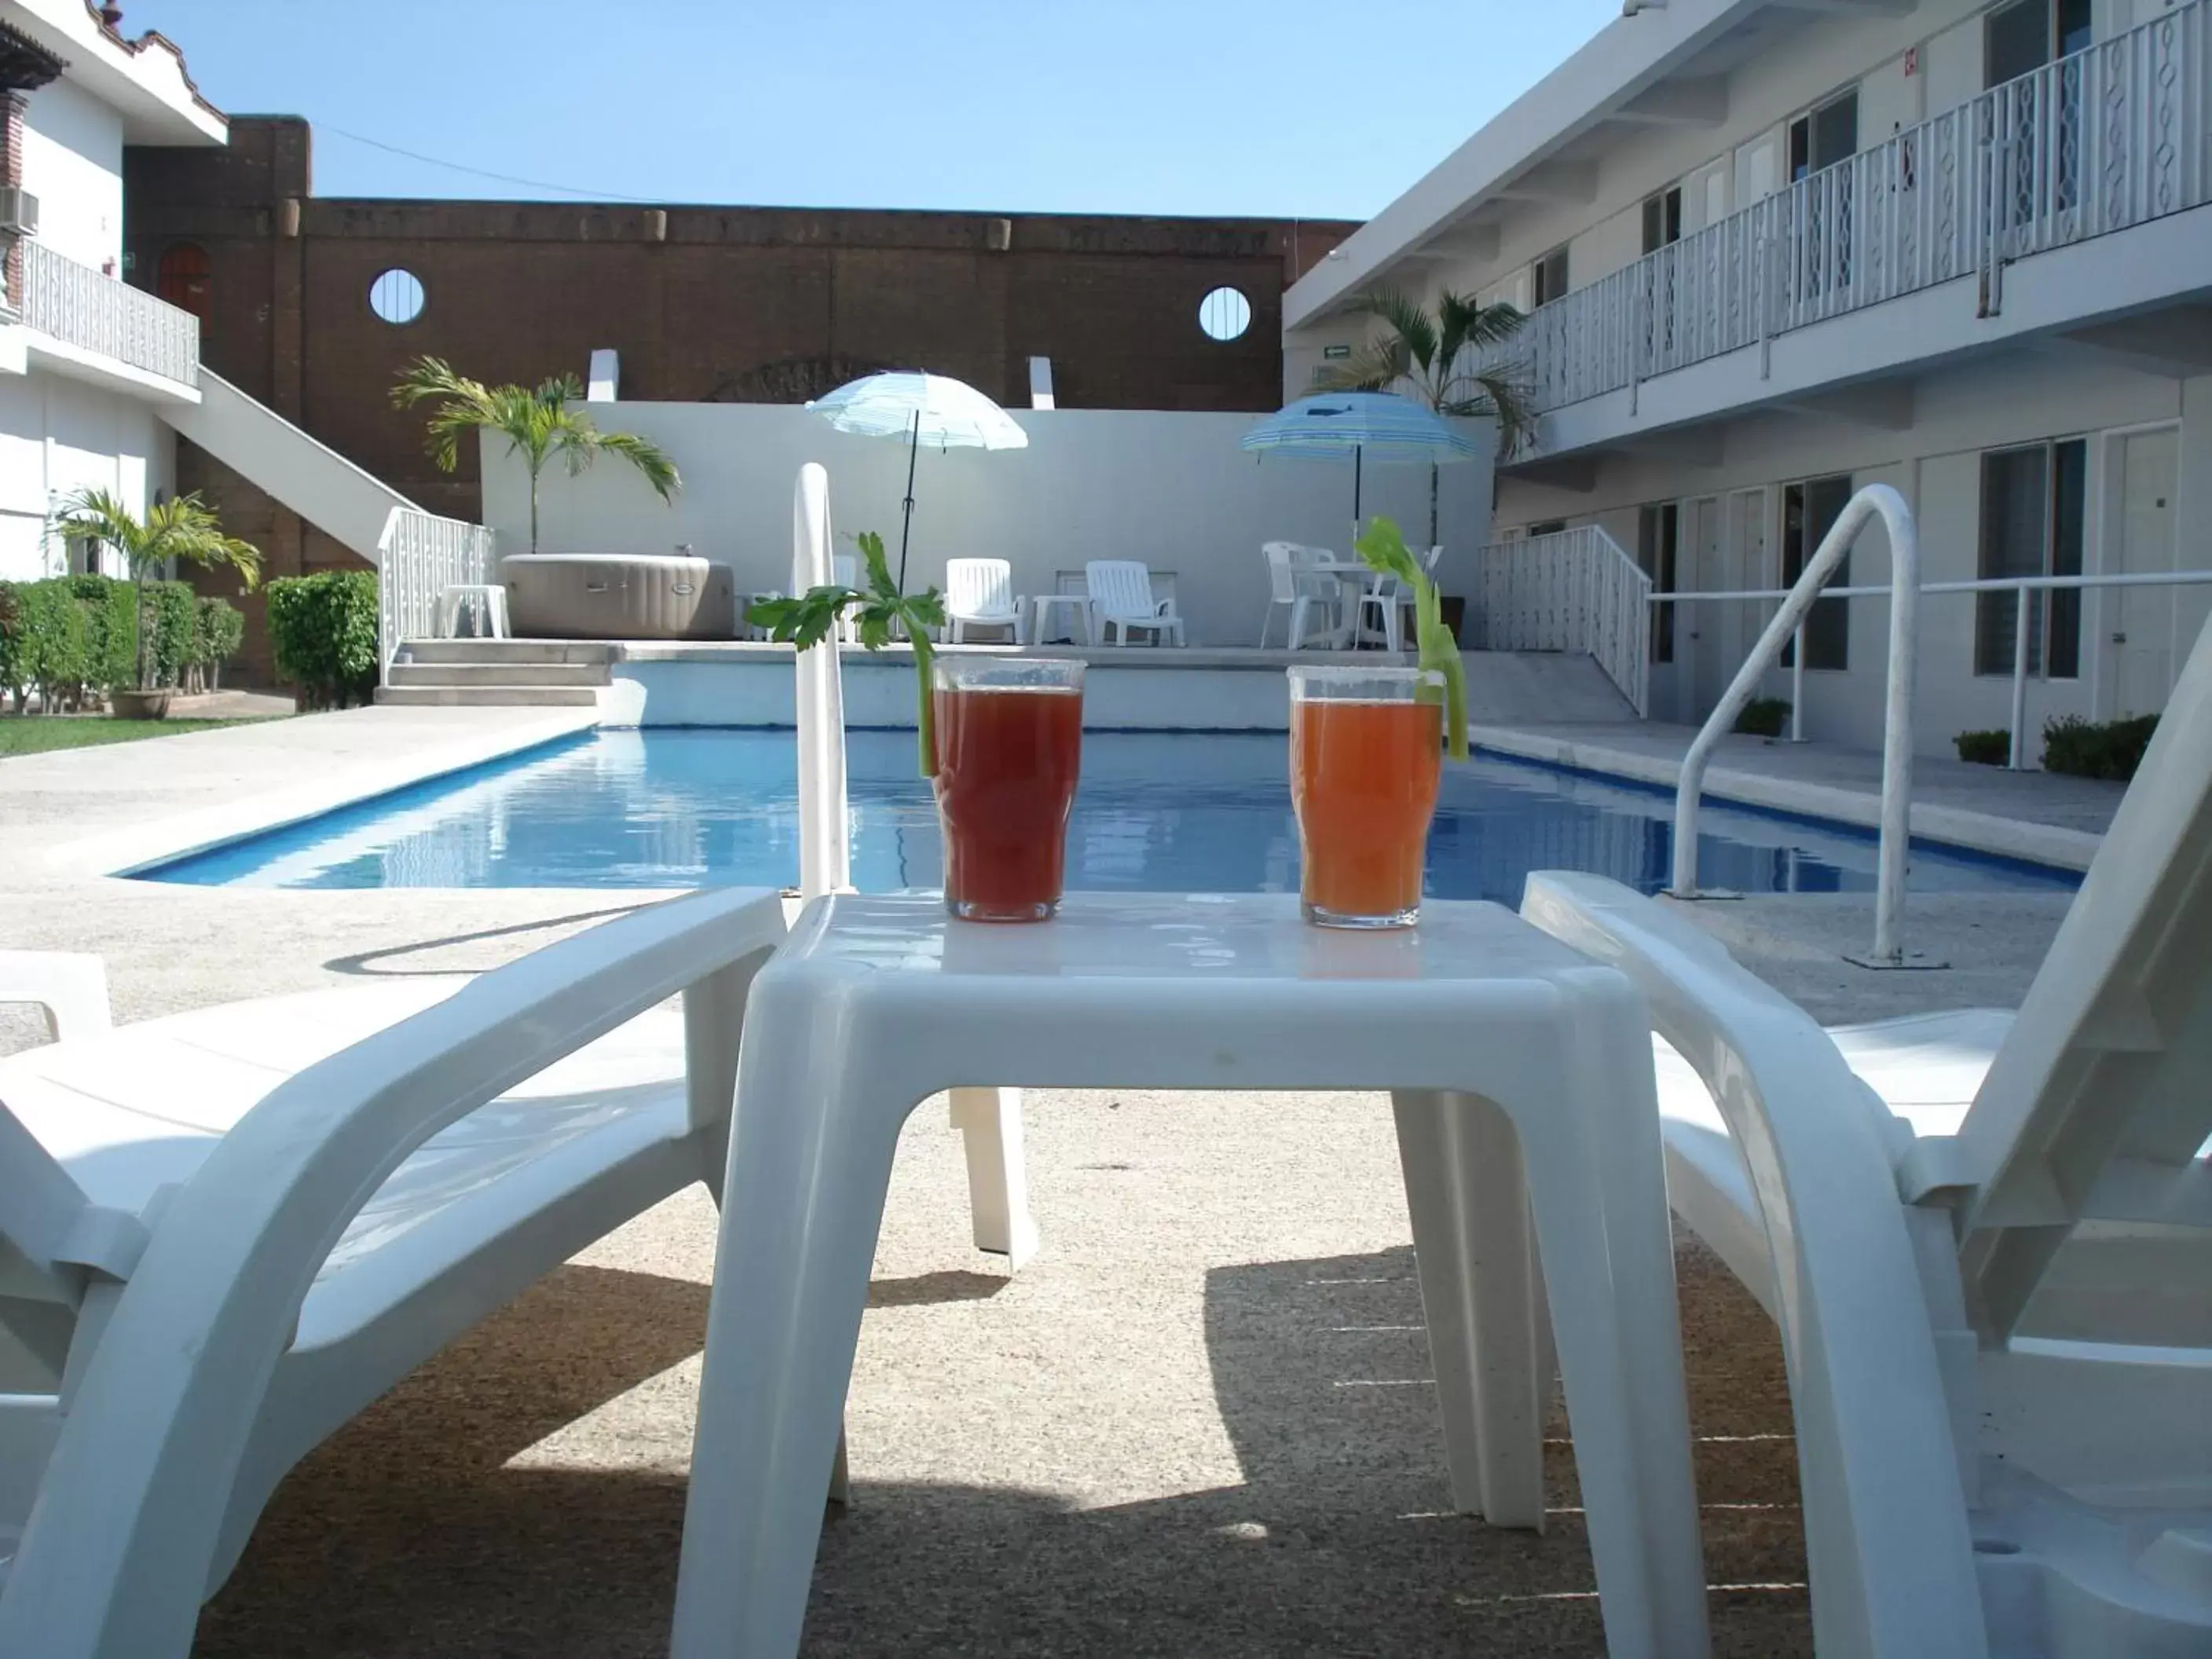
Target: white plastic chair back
[(2091, 1126), (1282, 576), (977, 588), (1120, 588)]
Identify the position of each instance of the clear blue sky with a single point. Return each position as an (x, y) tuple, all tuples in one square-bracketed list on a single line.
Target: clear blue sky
[(1313, 108)]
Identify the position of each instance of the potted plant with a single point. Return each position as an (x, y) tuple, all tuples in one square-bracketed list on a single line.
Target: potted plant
[(538, 422), (181, 529)]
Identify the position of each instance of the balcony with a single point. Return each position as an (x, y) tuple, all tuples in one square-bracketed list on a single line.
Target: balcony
[(2112, 137), (93, 317)]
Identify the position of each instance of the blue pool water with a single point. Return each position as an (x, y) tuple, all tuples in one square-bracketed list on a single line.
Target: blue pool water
[(1175, 813)]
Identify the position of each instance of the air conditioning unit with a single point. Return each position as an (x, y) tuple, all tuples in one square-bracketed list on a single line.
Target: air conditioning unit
[(19, 211)]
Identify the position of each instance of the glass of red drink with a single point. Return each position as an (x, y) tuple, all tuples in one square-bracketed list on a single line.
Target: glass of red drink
[(1009, 745), (1366, 750)]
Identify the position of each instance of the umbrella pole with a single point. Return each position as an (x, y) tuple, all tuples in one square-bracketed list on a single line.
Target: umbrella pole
[(1358, 459), (906, 524)]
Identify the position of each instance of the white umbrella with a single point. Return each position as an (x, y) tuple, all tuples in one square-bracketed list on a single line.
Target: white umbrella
[(923, 408)]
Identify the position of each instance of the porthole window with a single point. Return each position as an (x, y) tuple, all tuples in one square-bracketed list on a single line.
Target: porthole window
[(1224, 314), (397, 297)]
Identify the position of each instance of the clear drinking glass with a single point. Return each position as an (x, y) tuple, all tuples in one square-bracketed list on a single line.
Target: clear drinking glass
[(1366, 750), (1009, 746)]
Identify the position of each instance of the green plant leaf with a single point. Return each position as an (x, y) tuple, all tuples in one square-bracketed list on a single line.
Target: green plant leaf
[(1383, 549)]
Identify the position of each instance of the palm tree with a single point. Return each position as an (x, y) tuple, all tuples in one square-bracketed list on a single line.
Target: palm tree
[(182, 528), (537, 422), (1434, 358)]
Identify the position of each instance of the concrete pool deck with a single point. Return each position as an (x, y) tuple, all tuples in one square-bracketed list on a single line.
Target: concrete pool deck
[(2041, 817), (1199, 1421)]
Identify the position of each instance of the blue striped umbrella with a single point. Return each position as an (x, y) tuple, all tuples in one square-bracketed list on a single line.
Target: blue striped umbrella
[(1330, 424)]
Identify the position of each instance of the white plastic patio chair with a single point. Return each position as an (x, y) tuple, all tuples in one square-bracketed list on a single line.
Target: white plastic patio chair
[(845, 571), (1122, 599), (1987, 1239), (195, 1290), (1392, 601), (979, 594), (1306, 595)]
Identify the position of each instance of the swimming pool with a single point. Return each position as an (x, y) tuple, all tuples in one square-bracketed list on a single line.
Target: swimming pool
[(1175, 813)]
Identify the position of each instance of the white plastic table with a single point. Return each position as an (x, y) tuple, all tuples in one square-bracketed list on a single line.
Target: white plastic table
[(487, 601), (1491, 1036), (1353, 577), (1041, 606)]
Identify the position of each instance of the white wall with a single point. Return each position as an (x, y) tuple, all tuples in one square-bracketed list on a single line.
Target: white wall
[(59, 435), (1935, 463), (1172, 489), (73, 163)]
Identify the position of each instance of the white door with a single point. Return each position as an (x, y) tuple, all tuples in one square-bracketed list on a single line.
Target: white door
[(2153, 628), (1748, 568), (1711, 667)]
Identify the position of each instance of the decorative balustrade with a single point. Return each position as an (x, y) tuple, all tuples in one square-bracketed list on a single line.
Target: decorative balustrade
[(2113, 137), (419, 557), (85, 308), (1575, 590)]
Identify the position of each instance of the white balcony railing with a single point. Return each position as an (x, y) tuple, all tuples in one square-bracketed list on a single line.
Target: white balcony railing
[(2113, 137), (1576, 590), (419, 557), (82, 308)]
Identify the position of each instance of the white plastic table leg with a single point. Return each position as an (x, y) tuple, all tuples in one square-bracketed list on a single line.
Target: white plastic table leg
[(794, 1260), (1482, 1292), (990, 1125)]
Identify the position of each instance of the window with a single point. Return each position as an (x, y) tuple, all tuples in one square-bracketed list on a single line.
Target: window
[(1663, 219), (82, 554), (1548, 527), (1658, 539), (1552, 275), (2032, 503), (1824, 136), (397, 297), (1224, 314), (182, 277), (1809, 511), (2017, 38)]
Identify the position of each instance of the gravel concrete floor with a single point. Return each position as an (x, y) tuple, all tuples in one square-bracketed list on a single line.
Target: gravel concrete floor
[(1199, 1422)]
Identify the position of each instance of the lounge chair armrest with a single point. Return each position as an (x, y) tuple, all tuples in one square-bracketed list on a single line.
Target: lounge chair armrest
[(1875, 1441), (172, 1390), (72, 987)]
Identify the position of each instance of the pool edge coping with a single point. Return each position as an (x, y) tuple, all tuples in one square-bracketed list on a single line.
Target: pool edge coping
[(1988, 833), (141, 848)]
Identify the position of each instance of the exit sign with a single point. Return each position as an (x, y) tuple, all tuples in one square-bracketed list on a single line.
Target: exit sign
[(1336, 351)]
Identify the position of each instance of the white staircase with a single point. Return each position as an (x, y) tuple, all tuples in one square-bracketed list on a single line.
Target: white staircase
[(307, 475), (482, 673)]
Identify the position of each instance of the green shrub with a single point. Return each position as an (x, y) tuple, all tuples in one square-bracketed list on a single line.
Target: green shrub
[(1763, 717), (2103, 748), (220, 631), (46, 647), (1984, 748), (13, 682), (323, 629), (111, 635), (173, 609)]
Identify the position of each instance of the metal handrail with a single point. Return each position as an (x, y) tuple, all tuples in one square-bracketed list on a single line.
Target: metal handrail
[(1897, 723)]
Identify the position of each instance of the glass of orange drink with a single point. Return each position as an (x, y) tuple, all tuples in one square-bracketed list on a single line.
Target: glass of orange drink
[(1366, 750)]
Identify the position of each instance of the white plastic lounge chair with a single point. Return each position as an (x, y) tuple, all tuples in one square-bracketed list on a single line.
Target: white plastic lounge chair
[(1122, 599), (979, 594), (1307, 596), (193, 1296), (1987, 1239)]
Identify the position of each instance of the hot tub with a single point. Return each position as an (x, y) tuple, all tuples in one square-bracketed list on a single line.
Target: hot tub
[(618, 596)]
